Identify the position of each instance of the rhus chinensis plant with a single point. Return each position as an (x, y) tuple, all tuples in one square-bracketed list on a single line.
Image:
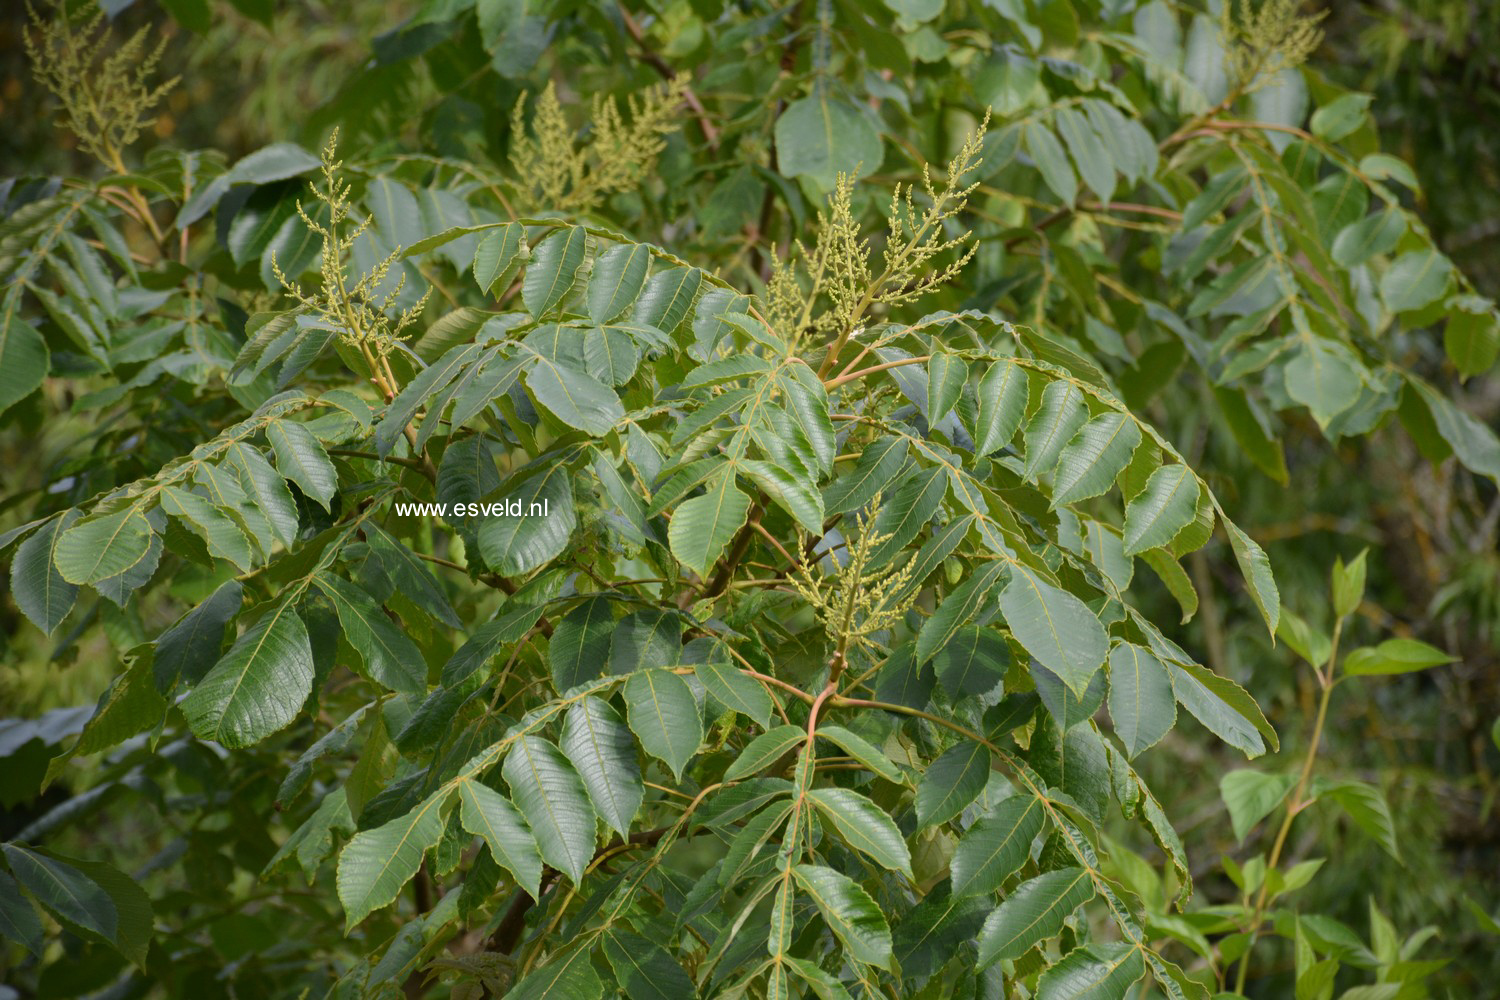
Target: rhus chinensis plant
[(508, 606), (839, 597)]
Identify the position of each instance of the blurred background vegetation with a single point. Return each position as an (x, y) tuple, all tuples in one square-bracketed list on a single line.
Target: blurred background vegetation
[(256, 72)]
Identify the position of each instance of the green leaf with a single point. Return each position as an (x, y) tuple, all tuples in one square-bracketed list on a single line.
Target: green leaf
[(1340, 116), (487, 814), (735, 692), (302, 459), (1053, 425), (849, 910), (645, 970), (419, 392), (515, 545), (99, 547), (24, 358), (861, 750), (266, 490), (952, 781), (1256, 568), (191, 647), (575, 397), (1251, 796), (1055, 627), (65, 892), (645, 639), (1348, 584), (996, 846), (1002, 403), (1366, 806), (223, 535), (579, 648), (1472, 335), (18, 918), (877, 466), (702, 526), (957, 609), (569, 977), (498, 256), (1325, 377), (259, 685), (821, 136), (1394, 656), (602, 751), (867, 828), (1415, 279), (1098, 453), (974, 661), (668, 296), (377, 863), (1369, 237), (1047, 153), (276, 162), (797, 496), (1103, 970), (89, 896), (664, 715), (1167, 504), (946, 375), (610, 355), (1033, 912), (1473, 442), (552, 797), (1223, 707), (390, 658), (765, 750), (617, 280), (1141, 702), (903, 515), (1092, 156), (39, 589), (553, 269)]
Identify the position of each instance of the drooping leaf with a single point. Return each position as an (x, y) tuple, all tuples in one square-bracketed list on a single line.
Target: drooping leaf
[(866, 827), (996, 846), (1141, 703), (553, 269), (664, 715), (378, 862), (952, 781), (850, 911), (39, 589), (1033, 912), (300, 458), (764, 750), (259, 685), (390, 658), (1055, 627), (489, 815), (1166, 505), (602, 751), (552, 798)]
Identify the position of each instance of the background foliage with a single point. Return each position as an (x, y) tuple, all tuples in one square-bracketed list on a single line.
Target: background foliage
[(977, 486)]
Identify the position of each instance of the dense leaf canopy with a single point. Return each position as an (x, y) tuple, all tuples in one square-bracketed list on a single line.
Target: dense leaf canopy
[(588, 510)]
